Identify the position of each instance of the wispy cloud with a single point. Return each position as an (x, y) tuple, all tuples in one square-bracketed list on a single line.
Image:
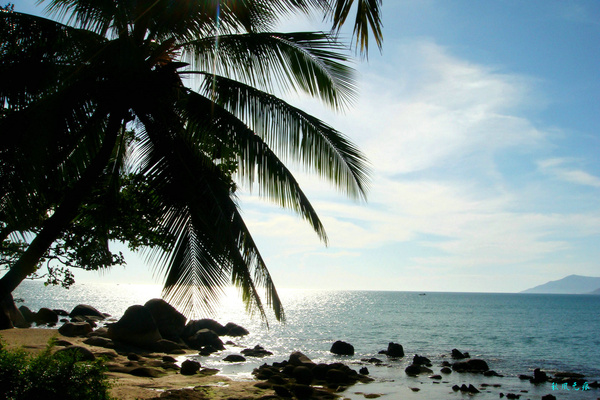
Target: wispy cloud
[(560, 168)]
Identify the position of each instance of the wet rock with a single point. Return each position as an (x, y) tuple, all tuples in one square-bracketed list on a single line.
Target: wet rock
[(539, 376), (363, 371), (189, 367), (136, 327), (205, 337), (303, 375), (491, 372), (257, 351), (298, 358), (342, 348), (27, 314), (46, 316), (394, 350), (235, 330), (421, 360), (457, 354), (446, 370), (194, 326), (372, 360), (234, 358), (549, 397), (72, 329), (473, 365), (436, 377)]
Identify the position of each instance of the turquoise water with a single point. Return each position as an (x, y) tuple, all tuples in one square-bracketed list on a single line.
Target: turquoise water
[(514, 333)]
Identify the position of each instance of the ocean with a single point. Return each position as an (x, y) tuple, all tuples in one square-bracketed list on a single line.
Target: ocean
[(514, 333)]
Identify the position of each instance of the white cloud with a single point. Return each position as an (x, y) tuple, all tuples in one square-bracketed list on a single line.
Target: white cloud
[(559, 168)]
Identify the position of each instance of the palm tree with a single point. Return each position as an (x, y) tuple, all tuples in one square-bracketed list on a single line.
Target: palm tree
[(77, 91)]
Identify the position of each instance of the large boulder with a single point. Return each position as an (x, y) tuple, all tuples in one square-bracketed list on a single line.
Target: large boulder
[(235, 330), (85, 311), (395, 350), (205, 337), (342, 348), (136, 327), (297, 358), (46, 316), (10, 316), (170, 322), (194, 326)]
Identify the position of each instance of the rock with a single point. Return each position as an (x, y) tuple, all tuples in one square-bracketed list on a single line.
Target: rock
[(297, 358), (473, 365), (491, 372), (436, 377), (10, 316), (60, 313), (363, 371), (549, 397), (456, 388), (194, 326), (282, 391), (234, 358), (170, 322), (446, 370), (46, 316), (342, 348), (336, 376), (539, 376), (472, 389), (458, 354), (99, 342), (413, 370), (421, 360), (257, 351), (371, 360), (72, 329), (166, 346), (302, 375), (136, 327), (568, 375), (302, 391), (146, 372), (189, 367), (525, 377), (207, 350), (395, 350), (512, 396), (205, 337), (27, 314), (80, 353), (86, 311), (235, 330)]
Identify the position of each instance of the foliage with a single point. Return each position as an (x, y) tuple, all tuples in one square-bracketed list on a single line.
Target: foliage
[(48, 376)]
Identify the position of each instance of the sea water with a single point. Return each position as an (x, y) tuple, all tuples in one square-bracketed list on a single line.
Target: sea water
[(514, 333)]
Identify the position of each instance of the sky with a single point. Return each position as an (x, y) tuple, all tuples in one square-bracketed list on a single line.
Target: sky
[(481, 123)]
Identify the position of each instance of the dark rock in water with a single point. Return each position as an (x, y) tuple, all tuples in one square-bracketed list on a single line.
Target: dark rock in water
[(298, 358), (457, 354), (363, 371), (235, 330), (170, 322), (86, 310), (189, 367), (78, 352), (46, 316), (169, 359), (234, 358), (539, 376), (568, 375), (372, 360), (336, 376), (72, 329), (303, 375), (456, 388), (492, 373), (525, 377), (394, 350), (472, 389), (136, 327), (413, 370), (436, 377), (207, 350), (194, 326), (421, 360), (549, 397), (342, 348), (205, 337), (512, 396), (60, 313), (446, 370), (473, 365), (257, 351)]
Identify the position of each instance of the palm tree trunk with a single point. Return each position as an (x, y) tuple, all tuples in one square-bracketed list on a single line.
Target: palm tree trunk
[(64, 214)]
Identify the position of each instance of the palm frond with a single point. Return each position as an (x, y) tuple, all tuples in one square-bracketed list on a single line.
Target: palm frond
[(311, 62), (368, 16)]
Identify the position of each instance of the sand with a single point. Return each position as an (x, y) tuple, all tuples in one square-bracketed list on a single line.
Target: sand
[(128, 387)]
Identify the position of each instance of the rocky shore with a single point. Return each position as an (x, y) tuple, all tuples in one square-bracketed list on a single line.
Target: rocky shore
[(152, 352)]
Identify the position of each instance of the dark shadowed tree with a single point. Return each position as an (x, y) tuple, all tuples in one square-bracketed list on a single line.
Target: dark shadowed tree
[(103, 97)]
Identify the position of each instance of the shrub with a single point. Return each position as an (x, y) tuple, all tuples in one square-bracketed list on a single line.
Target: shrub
[(50, 376)]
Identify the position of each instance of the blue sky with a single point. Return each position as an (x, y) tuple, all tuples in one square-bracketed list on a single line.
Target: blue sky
[(481, 121)]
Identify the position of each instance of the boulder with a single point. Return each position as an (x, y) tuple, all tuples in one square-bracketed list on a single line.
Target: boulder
[(337, 376), (189, 367), (302, 375), (421, 360), (194, 326), (78, 352), (10, 316), (27, 314), (72, 329), (342, 348), (395, 350), (85, 311), (99, 342), (473, 365), (205, 337), (46, 316), (363, 371), (166, 346), (234, 358), (549, 397), (257, 351), (298, 358), (136, 327), (457, 354), (235, 330), (170, 322), (415, 369)]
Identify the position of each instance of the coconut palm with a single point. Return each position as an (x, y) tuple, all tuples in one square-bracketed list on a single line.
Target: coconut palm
[(109, 93)]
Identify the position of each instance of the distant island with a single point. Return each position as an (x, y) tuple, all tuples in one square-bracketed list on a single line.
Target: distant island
[(572, 284)]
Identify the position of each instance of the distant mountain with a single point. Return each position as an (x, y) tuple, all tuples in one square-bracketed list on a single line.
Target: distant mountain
[(572, 284)]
